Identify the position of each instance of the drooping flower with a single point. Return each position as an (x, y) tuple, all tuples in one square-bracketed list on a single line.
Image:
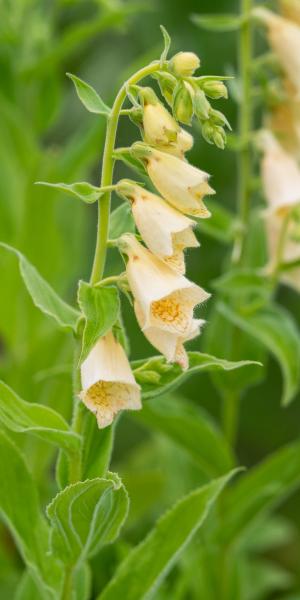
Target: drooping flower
[(290, 9), (284, 121), (159, 127), (169, 344), (284, 39), (166, 299), (164, 230), (181, 184), (182, 145), (280, 175), (108, 384)]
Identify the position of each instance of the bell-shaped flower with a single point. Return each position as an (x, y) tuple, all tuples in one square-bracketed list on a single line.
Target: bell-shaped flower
[(158, 124), (164, 230), (280, 175), (290, 9), (181, 184), (108, 384), (284, 39), (284, 121), (169, 344), (166, 299)]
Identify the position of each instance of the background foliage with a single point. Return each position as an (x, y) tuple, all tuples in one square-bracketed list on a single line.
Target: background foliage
[(47, 135)]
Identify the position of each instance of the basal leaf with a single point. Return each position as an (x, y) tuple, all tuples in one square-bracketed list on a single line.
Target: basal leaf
[(89, 97), (259, 491), (85, 516), (19, 506), (156, 377), (215, 22), (84, 191), (144, 568), (192, 429), (42, 294), (277, 331), (42, 421), (100, 307), (121, 221), (167, 44)]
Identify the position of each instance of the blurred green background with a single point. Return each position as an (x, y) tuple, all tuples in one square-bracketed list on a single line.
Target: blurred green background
[(47, 135)]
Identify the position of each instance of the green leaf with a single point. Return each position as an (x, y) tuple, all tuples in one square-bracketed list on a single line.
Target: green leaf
[(259, 491), (167, 44), (156, 377), (125, 154), (100, 307), (84, 191), (238, 281), (19, 506), (276, 330), (144, 568), (42, 421), (97, 448), (85, 516), (121, 221), (221, 22), (221, 224), (192, 429), (89, 97), (42, 294)]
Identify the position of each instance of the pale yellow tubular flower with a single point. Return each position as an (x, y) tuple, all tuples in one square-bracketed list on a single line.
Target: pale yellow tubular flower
[(108, 384), (181, 184), (284, 39), (166, 299), (284, 121), (280, 175), (291, 249), (164, 230), (169, 344)]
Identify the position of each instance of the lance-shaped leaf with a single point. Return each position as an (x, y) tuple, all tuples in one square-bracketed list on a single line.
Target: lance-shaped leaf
[(84, 191), (156, 377), (247, 281), (85, 516), (215, 22), (192, 429), (42, 294), (276, 330), (19, 505), (144, 568), (167, 44), (89, 97), (42, 421), (100, 307), (259, 491)]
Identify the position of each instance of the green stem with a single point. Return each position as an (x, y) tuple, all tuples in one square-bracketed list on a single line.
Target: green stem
[(68, 585), (107, 172), (245, 127), (231, 404)]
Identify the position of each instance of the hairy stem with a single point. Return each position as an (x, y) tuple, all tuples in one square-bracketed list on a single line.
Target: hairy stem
[(68, 585), (107, 172)]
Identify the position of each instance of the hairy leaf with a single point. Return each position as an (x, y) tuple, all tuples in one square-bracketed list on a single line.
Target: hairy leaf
[(89, 97), (42, 421), (100, 307), (121, 221), (147, 564), (221, 22), (276, 330), (157, 377), (42, 294), (85, 516), (97, 448), (167, 44), (191, 428), (84, 191)]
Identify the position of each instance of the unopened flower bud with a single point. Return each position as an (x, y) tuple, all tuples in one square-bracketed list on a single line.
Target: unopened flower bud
[(185, 64), (214, 89), (183, 103), (167, 84), (217, 118), (214, 134), (159, 126), (201, 106)]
